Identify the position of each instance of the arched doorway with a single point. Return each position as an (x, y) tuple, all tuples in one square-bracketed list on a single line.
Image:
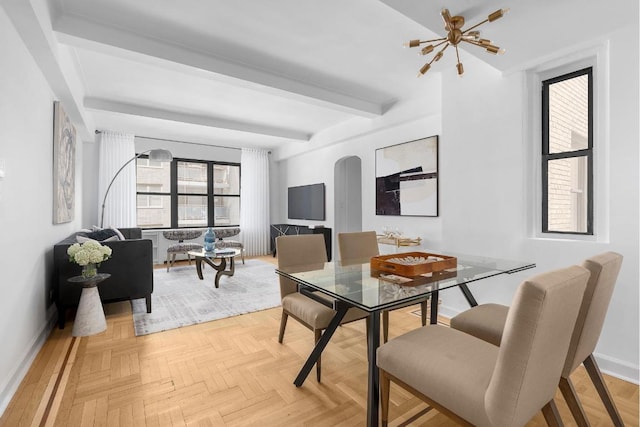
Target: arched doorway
[(347, 197)]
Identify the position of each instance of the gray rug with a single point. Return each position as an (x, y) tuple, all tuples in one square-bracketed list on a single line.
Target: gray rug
[(179, 298)]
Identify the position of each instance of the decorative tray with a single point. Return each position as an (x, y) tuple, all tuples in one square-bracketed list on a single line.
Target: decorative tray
[(413, 263)]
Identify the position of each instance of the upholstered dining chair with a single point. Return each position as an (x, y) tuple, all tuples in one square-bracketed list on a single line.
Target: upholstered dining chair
[(487, 322), (477, 383), (181, 247), (360, 245), (309, 252)]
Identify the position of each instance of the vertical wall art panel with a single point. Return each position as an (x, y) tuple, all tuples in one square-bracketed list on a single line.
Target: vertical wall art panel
[(407, 178), (64, 154)]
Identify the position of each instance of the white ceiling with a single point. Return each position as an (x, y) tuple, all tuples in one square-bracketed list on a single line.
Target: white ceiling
[(249, 73)]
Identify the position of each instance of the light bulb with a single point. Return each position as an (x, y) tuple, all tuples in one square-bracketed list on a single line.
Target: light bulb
[(411, 43)]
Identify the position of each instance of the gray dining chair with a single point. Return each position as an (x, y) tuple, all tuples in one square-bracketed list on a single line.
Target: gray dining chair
[(479, 384), (359, 247), (487, 322), (303, 253)]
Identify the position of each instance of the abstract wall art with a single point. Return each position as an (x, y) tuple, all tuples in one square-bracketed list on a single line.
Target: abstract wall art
[(64, 166), (407, 178)]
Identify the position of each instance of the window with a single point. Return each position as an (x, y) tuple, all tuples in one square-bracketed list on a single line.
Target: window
[(567, 153), (187, 193), (153, 196)]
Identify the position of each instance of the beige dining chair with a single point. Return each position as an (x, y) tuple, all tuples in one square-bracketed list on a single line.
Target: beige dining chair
[(362, 245), (477, 383), (303, 253), (487, 322)]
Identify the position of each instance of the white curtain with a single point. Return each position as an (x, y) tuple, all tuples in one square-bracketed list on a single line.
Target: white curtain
[(116, 149), (254, 201)]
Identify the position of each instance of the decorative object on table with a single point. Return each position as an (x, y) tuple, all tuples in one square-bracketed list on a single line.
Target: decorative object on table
[(157, 155), (181, 247), (455, 34), (413, 263), (394, 237), (209, 240), (407, 178), (90, 319), (64, 166), (181, 299), (89, 255)]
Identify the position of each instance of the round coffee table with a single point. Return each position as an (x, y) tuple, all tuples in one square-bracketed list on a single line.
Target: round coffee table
[(220, 255)]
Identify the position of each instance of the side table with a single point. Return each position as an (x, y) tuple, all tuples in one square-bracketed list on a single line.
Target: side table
[(90, 317)]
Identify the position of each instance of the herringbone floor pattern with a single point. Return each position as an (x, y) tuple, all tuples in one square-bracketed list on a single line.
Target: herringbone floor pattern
[(230, 372)]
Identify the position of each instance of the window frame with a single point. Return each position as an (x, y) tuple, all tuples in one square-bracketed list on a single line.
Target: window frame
[(174, 194), (546, 157)]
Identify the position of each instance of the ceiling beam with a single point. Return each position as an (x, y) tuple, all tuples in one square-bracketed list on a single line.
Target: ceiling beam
[(31, 20), (83, 33), (99, 104)]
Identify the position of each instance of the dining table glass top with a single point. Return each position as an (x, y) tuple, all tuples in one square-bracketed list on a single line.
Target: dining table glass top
[(355, 282)]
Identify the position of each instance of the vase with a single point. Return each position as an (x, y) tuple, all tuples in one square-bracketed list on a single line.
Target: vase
[(89, 270), (209, 240)]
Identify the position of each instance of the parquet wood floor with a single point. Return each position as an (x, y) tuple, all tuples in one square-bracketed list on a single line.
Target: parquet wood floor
[(230, 372)]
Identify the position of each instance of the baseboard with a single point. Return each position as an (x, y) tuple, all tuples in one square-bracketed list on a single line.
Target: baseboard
[(9, 388), (609, 365), (618, 368)]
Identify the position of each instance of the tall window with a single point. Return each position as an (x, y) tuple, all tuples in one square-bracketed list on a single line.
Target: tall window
[(153, 198), (567, 153), (187, 193)]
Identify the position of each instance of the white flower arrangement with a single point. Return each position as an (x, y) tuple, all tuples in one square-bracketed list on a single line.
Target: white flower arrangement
[(90, 252)]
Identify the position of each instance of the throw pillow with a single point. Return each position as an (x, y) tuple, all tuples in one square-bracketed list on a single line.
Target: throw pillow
[(118, 233), (102, 235), (81, 239)]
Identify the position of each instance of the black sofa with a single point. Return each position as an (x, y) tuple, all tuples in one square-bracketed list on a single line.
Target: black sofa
[(130, 266)]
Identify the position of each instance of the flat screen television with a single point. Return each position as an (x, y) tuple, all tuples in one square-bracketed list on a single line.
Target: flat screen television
[(306, 202)]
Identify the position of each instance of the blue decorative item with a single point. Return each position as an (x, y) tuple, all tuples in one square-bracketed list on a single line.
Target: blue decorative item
[(209, 240)]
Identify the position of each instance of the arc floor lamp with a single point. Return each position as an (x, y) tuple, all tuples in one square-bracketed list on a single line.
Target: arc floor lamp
[(159, 155)]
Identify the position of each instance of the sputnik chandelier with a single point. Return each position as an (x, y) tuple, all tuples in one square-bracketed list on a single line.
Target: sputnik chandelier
[(455, 34)]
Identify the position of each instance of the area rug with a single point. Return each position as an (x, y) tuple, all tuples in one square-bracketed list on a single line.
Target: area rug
[(180, 299)]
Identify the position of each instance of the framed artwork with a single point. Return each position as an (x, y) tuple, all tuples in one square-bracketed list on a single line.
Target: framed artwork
[(407, 178), (64, 166)]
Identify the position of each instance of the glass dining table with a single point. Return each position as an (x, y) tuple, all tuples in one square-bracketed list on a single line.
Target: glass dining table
[(353, 283)]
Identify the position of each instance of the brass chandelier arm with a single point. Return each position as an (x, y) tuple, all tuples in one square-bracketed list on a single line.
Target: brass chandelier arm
[(475, 26), (489, 47), (446, 17), (428, 49), (435, 58), (440, 53), (416, 43), (459, 66)]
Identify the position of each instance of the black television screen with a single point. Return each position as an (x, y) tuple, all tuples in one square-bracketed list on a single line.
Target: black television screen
[(306, 202)]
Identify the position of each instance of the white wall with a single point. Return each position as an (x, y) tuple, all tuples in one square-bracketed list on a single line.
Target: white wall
[(485, 159), (26, 203)]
